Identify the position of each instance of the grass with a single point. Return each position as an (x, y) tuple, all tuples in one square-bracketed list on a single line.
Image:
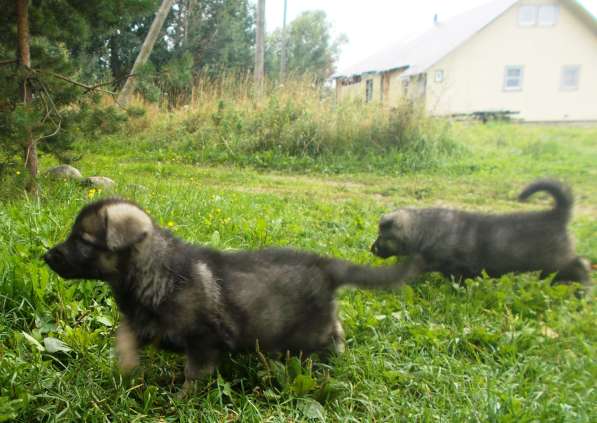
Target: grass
[(508, 350)]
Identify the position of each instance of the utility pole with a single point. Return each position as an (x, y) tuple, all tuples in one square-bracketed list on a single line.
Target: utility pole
[(284, 54), (260, 45), (150, 39)]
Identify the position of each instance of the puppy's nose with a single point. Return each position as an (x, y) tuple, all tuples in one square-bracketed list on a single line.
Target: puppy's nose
[(48, 256), (52, 255)]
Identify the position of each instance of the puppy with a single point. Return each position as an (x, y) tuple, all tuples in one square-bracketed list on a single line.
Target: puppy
[(462, 244), (205, 302)]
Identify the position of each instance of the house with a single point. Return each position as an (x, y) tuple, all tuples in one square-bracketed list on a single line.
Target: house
[(537, 58)]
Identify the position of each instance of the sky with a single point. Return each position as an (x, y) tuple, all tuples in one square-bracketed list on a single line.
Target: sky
[(378, 23)]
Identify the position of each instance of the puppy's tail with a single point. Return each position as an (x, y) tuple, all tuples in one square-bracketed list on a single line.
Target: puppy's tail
[(560, 192), (382, 277)]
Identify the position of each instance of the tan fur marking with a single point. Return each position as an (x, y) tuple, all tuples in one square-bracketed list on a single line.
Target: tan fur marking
[(88, 237), (90, 224), (126, 225), (339, 337), (108, 263), (211, 288), (127, 348)]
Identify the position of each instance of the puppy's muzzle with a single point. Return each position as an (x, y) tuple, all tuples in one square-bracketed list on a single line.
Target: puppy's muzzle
[(379, 250), (58, 262), (54, 257)]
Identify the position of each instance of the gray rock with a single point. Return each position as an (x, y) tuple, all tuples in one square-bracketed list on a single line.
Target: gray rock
[(99, 182), (64, 171)]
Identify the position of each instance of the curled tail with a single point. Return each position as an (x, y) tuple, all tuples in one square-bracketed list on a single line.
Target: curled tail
[(382, 277), (560, 192)]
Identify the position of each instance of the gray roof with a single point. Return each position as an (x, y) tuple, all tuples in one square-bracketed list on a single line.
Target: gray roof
[(423, 51)]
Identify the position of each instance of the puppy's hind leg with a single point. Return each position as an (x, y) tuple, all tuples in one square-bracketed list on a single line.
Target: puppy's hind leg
[(334, 342), (338, 338)]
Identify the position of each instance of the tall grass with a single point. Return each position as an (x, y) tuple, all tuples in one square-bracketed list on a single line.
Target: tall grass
[(293, 125)]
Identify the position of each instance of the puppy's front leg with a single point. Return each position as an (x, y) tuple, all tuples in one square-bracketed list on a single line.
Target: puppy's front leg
[(127, 347), (200, 363)]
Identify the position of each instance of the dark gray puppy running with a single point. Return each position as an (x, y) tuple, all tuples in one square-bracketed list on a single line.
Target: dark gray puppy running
[(463, 244), (205, 302)]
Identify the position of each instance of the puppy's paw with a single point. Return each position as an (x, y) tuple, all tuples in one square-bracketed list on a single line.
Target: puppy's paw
[(126, 348), (188, 388), (128, 362)]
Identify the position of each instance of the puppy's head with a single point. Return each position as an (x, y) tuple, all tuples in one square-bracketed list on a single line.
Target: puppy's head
[(394, 235), (102, 235)]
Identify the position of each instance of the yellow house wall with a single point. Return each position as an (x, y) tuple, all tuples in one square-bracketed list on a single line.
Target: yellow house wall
[(391, 98), (358, 90), (474, 72), (350, 92), (396, 91)]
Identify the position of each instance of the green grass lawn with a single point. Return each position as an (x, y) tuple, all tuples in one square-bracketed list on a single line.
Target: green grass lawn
[(509, 350)]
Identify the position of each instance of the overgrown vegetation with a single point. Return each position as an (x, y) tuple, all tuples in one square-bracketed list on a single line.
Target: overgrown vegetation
[(295, 126), (513, 349)]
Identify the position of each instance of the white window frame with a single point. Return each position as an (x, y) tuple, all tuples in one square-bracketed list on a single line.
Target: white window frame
[(506, 87), (439, 75), (565, 69), (528, 7), (556, 14)]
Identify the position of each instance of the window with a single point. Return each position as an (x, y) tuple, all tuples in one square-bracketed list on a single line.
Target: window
[(569, 80), (439, 75), (548, 15), (544, 15), (527, 15), (513, 78), (369, 90)]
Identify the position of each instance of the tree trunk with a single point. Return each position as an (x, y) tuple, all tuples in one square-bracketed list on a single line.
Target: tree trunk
[(259, 45), (150, 39), (24, 60)]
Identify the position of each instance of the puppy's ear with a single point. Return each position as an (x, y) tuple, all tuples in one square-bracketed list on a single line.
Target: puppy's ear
[(126, 225), (385, 224)]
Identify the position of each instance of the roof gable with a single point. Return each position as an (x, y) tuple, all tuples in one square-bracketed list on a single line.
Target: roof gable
[(421, 52), (583, 14)]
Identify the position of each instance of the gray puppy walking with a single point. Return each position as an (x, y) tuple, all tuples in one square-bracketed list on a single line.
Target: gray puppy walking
[(463, 244), (205, 302)]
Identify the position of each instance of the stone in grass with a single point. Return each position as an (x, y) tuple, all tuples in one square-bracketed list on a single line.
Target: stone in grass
[(99, 182), (65, 171)]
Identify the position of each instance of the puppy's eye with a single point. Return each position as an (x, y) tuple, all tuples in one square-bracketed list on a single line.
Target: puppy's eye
[(84, 247), (82, 242), (90, 241)]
